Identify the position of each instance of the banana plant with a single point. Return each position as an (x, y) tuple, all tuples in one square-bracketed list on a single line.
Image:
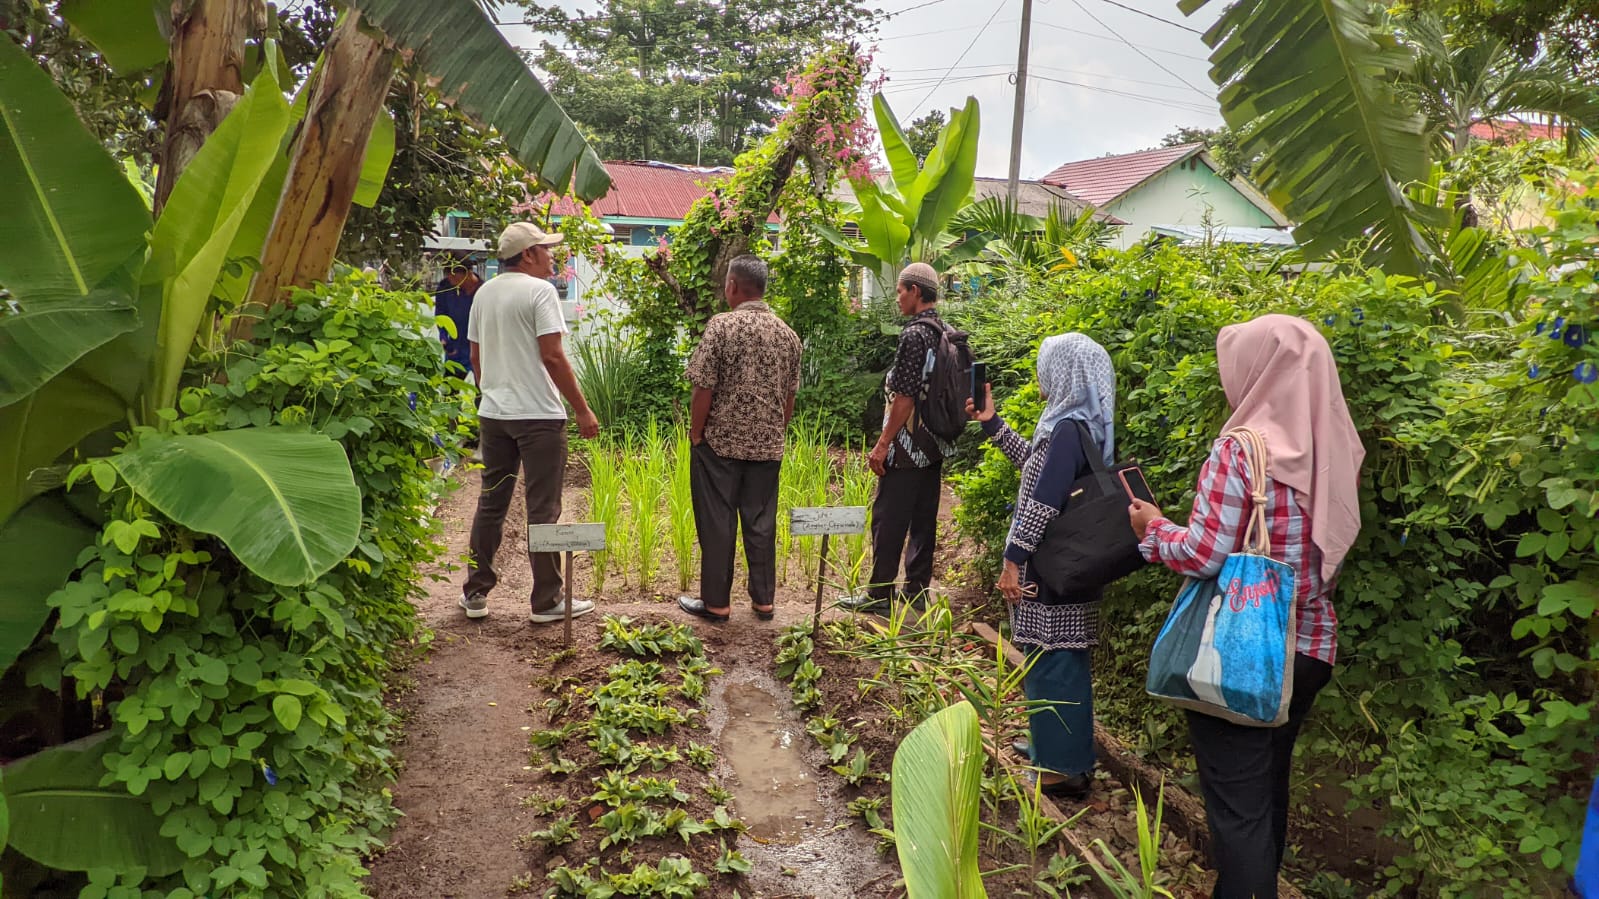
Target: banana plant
[(906, 216), (107, 303), (1311, 87)]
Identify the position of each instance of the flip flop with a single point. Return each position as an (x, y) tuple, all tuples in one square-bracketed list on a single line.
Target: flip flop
[(766, 615)]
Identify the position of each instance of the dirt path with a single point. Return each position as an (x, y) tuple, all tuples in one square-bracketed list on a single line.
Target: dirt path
[(472, 704)]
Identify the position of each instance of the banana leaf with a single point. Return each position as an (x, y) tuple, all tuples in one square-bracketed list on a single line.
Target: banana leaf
[(937, 778)]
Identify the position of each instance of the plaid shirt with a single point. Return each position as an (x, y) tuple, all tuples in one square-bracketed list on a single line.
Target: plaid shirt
[(1216, 529)]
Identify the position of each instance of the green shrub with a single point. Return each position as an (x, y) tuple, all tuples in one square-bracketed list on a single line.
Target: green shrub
[(250, 715)]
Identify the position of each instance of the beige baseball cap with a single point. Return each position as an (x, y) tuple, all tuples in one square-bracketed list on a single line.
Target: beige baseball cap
[(521, 235)]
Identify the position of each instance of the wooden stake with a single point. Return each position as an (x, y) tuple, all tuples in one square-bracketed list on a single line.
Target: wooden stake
[(821, 581), (568, 616)]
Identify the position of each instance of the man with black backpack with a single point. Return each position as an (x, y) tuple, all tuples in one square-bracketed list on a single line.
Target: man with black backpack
[(926, 405)]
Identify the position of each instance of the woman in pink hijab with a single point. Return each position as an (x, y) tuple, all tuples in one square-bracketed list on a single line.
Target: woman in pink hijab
[(1281, 382)]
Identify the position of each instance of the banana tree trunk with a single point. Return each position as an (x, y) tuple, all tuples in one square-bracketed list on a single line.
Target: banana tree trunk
[(206, 79), (326, 166)]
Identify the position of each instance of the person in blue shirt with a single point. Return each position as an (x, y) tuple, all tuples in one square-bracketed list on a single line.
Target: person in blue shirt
[(454, 301)]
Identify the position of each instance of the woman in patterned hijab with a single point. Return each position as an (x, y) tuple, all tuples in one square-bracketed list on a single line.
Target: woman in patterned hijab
[(1075, 377), (1078, 385)]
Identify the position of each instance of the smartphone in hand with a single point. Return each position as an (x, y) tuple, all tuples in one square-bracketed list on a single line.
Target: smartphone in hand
[(979, 380), (1133, 482)]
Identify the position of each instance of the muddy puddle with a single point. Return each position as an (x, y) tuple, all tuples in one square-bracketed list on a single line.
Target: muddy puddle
[(800, 839), (775, 792)]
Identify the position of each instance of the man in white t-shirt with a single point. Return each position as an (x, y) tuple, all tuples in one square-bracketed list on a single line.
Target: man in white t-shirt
[(522, 373)]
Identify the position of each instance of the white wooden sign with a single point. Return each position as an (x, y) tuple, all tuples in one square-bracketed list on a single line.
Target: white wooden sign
[(560, 538), (827, 520)]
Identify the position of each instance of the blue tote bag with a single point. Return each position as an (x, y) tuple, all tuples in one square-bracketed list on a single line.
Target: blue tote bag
[(1227, 647), (1586, 881)]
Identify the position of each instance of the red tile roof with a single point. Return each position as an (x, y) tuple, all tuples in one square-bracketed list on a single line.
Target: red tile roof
[(1099, 181), (651, 190), (1508, 131)]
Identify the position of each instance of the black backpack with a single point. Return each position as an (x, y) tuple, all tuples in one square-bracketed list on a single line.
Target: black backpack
[(942, 406)]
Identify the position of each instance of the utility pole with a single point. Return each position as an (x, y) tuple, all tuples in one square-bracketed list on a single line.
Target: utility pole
[(1021, 103)]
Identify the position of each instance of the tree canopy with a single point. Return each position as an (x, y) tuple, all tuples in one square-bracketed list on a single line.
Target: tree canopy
[(1222, 142), (922, 135), (1567, 27), (685, 81)]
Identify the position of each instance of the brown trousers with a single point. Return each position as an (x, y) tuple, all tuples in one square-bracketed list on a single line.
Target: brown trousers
[(539, 449)]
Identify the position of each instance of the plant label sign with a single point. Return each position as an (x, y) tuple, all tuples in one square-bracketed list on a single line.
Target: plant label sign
[(565, 538), (816, 521)]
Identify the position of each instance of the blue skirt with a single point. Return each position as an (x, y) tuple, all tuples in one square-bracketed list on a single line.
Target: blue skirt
[(1062, 726)]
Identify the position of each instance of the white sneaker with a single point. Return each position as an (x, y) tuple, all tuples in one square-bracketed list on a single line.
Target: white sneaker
[(474, 606), (579, 607)]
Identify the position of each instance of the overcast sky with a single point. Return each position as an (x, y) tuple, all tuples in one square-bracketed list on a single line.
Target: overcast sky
[(1113, 85)]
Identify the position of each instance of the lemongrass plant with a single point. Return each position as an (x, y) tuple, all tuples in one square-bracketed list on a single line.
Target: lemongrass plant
[(605, 503), (859, 484), (808, 478), (680, 509), (644, 477)]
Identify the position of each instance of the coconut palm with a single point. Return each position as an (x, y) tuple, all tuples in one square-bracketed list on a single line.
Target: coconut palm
[(1461, 80)]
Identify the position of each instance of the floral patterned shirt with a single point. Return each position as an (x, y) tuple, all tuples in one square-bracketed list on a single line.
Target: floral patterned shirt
[(750, 361)]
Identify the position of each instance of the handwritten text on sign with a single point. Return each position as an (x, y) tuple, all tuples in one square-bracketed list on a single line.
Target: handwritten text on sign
[(815, 521), (560, 538)]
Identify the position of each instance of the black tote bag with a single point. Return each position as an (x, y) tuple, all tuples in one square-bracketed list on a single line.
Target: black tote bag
[(1091, 542)]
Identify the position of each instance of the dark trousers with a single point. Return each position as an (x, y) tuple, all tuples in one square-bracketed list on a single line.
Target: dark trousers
[(730, 494), (1244, 773), (1062, 733), (906, 503), (539, 449)]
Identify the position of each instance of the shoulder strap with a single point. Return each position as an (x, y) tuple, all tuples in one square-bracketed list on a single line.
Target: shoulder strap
[(1257, 539), (1091, 450)]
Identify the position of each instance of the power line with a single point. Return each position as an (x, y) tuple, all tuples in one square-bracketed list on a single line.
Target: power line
[(987, 65), (975, 38), (900, 37), (1093, 74), (1103, 37), (900, 87), (1152, 60), (1150, 15), (907, 9), (1159, 101)]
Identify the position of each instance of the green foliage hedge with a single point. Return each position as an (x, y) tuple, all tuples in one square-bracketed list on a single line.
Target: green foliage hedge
[(1463, 704), (249, 715)]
